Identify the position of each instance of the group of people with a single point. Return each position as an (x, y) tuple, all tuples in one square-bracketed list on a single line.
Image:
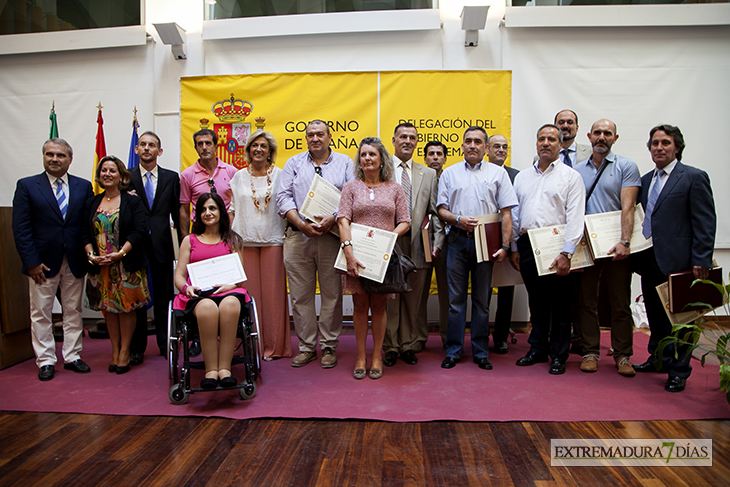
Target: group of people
[(256, 213)]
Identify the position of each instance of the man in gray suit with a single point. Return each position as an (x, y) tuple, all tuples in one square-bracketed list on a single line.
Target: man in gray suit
[(571, 152), (420, 185), (497, 150)]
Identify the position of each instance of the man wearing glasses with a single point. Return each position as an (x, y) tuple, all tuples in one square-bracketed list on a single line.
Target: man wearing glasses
[(208, 175), (310, 250)]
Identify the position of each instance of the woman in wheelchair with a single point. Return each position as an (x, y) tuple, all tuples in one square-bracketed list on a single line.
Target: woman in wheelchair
[(216, 313)]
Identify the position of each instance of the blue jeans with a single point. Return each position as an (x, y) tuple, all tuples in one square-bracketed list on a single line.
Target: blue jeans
[(462, 260)]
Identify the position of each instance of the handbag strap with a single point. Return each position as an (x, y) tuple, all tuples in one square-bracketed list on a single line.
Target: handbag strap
[(606, 162)]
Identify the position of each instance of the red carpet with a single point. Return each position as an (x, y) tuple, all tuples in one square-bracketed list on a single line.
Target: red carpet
[(423, 392)]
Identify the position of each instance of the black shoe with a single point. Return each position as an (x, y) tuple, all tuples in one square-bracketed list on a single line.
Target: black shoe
[(136, 358), (647, 366), (531, 358), (229, 381), (122, 369), (46, 373), (449, 363), (208, 384), (483, 363), (112, 368), (557, 367), (195, 348), (501, 347), (77, 366), (390, 358), (409, 357), (675, 384)]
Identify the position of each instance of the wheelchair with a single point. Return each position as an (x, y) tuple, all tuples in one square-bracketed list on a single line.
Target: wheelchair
[(180, 330)]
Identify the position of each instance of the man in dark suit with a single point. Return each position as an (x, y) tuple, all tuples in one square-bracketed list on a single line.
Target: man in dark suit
[(680, 218), (48, 213), (159, 190), (497, 150)]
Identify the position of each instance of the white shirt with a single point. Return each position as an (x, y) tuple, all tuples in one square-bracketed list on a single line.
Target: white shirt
[(52, 180), (256, 228), (399, 170), (554, 197), (143, 172), (667, 171)]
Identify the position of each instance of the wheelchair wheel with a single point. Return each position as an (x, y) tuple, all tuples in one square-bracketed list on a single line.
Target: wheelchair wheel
[(248, 391), (177, 395)]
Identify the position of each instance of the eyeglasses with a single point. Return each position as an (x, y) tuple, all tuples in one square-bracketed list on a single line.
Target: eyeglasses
[(318, 170), (211, 183)]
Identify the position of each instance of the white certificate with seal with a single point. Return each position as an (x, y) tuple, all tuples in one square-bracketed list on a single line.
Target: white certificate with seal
[(226, 269), (372, 247), (323, 198), (604, 231), (548, 242)]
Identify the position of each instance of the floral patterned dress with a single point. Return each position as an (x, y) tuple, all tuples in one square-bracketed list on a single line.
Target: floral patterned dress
[(113, 289)]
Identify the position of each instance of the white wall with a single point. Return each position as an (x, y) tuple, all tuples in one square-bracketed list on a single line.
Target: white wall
[(637, 76)]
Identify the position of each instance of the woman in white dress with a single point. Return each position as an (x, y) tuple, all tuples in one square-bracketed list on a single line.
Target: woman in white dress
[(253, 212)]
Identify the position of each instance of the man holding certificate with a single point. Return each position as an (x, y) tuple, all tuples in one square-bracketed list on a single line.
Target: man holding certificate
[(309, 249), (680, 218), (467, 190), (550, 193), (612, 183)]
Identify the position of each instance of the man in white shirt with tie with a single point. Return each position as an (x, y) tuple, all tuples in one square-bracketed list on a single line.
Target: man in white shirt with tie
[(48, 212), (419, 183), (159, 189)]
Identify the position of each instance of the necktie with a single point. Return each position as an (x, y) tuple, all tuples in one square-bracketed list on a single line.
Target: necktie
[(405, 183), (566, 157), (61, 197), (655, 190), (149, 190)]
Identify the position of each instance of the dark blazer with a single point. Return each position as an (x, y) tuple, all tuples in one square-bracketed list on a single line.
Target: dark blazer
[(41, 234), (683, 222), (166, 205), (133, 228), (512, 172)]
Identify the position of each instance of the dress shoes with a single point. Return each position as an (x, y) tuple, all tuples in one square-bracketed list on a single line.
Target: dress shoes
[(409, 357), (359, 374), (329, 358), (136, 359), (483, 363), (112, 368), (375, 374), (501, 347), (122, 369), (46, 372), (303, 358), (208, 384), (675, 384), (195, 348), (390, 358), (648, 366), (557, 367), (449, 363), (78, 366), (531, 358)]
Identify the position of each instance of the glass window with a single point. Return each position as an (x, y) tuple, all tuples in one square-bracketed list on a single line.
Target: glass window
[(531, 3), (228, 9), (24, 16)]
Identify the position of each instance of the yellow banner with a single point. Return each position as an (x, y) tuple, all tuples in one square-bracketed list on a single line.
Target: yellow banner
[(441, 104)]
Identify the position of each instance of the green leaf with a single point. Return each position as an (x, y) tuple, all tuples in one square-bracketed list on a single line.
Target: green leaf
[(724, 376)]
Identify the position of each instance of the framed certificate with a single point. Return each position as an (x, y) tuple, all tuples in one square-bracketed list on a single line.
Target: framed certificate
[(226, 269), (548, 242), (372, 247), (604, 231)]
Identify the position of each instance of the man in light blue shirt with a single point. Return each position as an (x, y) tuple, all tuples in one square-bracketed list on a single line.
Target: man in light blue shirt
[(616, 189), (467, 190), (310, 250)]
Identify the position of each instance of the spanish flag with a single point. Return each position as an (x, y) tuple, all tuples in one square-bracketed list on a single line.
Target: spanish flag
[(100, 149)]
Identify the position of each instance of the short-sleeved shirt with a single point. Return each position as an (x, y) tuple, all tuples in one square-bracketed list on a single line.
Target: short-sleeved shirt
[(194, 182), (620, 173), (482, 190)]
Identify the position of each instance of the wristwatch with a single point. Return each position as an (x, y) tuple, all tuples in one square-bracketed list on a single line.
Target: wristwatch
[(567, 255), (626, 243), (345, 244)]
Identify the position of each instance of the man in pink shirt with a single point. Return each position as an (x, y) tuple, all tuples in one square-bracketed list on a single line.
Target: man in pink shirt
[(208, 174)]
